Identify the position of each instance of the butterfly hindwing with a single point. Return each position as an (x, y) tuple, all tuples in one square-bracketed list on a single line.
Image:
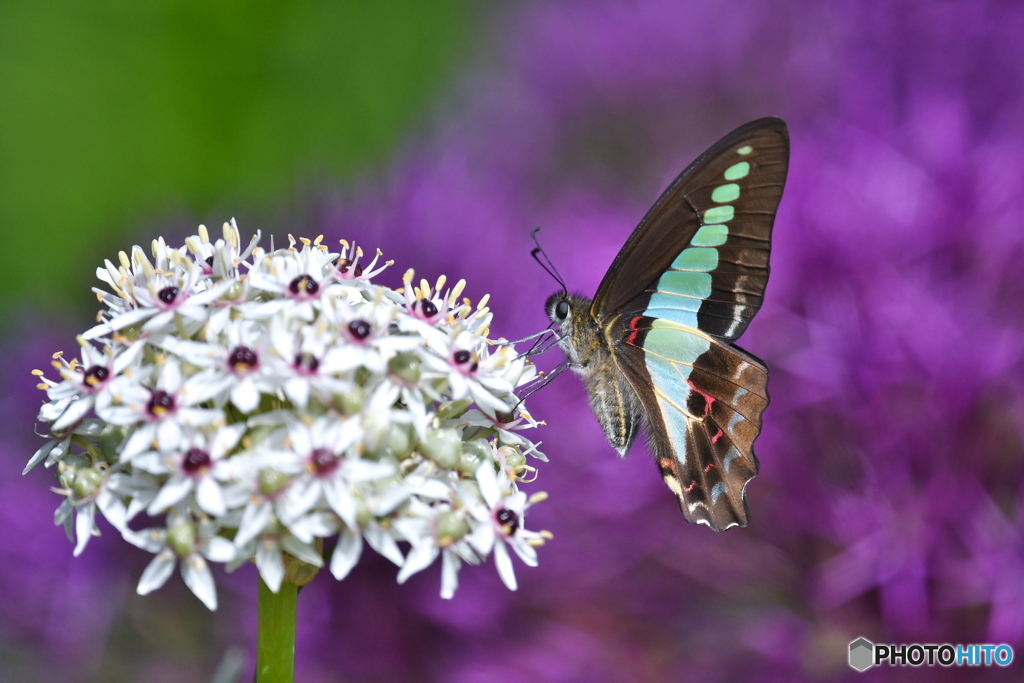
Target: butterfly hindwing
[(703, 401)]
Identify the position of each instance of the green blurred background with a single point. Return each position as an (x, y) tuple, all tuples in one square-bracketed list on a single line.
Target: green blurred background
[(113, 114)]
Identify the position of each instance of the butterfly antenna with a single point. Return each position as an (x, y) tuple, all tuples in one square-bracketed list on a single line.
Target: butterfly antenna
[(546, 264)]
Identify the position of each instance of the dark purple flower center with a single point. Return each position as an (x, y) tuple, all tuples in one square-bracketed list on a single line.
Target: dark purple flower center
[(360, 329), (306, 362), (243, 359), (508, 520), (344, 265), (463, 357), (324, 461), (209, 261), (304, 284), (167, 294), (160, 403), (96, 375), (195, 461), (426, 308)]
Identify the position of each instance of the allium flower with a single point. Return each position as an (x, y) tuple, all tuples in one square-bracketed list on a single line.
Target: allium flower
[(260, 403)]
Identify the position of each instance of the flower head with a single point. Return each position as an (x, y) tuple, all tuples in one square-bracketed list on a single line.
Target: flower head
[(252, 404)]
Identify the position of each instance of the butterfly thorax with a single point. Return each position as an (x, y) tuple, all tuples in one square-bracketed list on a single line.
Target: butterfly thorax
[(588, 349)]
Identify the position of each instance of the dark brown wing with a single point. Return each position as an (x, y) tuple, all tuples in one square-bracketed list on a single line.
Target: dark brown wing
[(703, 401), (714, 221)]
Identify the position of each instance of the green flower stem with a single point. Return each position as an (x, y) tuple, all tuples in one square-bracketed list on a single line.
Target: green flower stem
[(275, 657)]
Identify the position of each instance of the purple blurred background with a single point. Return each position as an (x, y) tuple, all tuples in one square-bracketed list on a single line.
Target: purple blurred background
[(889, 503)]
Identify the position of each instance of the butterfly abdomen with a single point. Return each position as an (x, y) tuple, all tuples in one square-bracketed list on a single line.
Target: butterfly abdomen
[(614, 403)]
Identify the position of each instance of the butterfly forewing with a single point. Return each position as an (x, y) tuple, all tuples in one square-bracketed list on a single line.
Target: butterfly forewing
[(700, 255)]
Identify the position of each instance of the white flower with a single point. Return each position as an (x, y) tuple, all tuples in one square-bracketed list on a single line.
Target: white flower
[(505, 510), (160, 413), (87, 488), (189, 542), (194, 465), (280, 399)]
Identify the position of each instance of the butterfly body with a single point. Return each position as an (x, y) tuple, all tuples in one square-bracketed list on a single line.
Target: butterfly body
[(589, 351), (654, 347)]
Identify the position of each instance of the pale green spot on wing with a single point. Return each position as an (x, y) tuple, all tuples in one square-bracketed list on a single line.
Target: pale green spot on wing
[(678, 309), (675, 425), (745, 150), (674, 344), (737, 171), (729, 192), (688, 283), (711, 236), (719, 214), (696, 258)]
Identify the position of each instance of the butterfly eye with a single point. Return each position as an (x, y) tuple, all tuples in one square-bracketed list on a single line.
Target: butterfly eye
[(562, 310)]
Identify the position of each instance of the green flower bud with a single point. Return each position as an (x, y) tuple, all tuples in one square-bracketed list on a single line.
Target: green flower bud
[(514, 459), (77, 461), (234, 293), (406, 366), (181, 538), (87, 482), (443, 446), (474, 453), (401, 441), (66, 477), (110, 442), (272, 481), (450, 528), (352, 401)]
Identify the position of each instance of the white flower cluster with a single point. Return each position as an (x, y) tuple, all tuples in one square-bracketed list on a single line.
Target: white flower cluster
[(253, 404)]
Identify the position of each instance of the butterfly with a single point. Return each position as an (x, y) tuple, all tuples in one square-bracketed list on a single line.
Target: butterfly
[(655, 345)]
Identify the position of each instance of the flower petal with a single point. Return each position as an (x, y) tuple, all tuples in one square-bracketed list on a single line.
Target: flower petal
[(157, 572), (450, 565), (176, 488), (346, 554), (418, 559), (503, 562), (271, 564), (199, 579), (210, 497), (85, 522)]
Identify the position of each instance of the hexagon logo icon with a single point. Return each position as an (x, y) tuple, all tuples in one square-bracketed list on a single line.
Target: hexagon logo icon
[(862, 654)]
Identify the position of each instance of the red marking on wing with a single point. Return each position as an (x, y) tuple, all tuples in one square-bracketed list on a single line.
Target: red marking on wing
[(690, 487), (708, 398), (708, 468), (716, 437), (634, 331)]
